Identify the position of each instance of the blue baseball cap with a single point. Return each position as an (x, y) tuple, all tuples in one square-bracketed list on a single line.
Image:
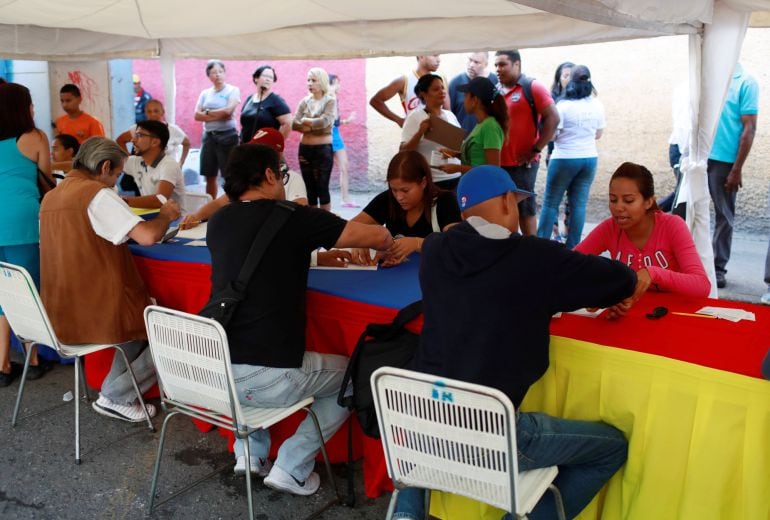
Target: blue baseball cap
[(486, 182)]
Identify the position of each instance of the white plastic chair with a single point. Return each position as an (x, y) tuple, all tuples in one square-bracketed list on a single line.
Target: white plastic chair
[(192, 360), (193, 200), (458, 437), (24, 309)]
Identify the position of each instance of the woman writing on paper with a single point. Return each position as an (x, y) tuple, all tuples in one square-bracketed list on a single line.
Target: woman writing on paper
[(657, 245), (412, 208)]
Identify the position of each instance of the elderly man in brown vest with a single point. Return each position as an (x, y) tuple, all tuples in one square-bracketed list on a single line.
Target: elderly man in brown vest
[(89, 283)]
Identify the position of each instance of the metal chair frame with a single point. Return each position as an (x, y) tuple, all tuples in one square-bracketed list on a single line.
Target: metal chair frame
[(24, 309), (190, 335), (448, 435)]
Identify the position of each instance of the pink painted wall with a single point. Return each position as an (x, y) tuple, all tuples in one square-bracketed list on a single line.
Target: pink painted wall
[(191, 80)]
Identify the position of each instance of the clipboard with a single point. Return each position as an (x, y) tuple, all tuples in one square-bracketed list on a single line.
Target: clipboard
[(444, 133)]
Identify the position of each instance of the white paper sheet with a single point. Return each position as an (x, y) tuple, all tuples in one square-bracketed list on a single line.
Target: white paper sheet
[(196, 233)]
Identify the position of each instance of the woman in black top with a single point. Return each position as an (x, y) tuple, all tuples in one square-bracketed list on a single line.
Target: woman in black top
[(264, 108), (412, 208)]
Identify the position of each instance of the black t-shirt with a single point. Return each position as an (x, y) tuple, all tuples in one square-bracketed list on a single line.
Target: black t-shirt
[(268, 328), (447, 212), (271, 108)]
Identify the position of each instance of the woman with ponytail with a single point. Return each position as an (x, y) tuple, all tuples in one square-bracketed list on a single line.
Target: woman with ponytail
[(483, 144)]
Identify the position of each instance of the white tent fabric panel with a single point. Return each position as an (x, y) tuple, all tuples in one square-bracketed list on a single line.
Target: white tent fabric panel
[(712, 60)]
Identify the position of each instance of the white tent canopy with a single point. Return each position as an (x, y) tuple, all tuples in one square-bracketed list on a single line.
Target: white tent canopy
[(244, 29)]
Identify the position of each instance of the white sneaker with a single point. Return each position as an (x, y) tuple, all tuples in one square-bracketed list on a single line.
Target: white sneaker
[(124, 412), (765, 299), (259, 467), (282, 481)]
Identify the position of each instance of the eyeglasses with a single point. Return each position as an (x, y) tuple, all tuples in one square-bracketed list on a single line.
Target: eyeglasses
[(139, 135), (285, 177)]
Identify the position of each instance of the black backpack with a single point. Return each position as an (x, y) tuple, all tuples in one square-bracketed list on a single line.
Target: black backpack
[(380, 345)]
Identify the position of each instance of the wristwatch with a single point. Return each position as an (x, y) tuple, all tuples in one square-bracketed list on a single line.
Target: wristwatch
[(207, 111), (536, 149)]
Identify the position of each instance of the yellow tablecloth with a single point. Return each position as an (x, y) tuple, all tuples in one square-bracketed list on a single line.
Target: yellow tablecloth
[(699, 438)]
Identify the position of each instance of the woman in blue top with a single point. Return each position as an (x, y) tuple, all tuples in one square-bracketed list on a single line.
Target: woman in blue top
[(23, 149)]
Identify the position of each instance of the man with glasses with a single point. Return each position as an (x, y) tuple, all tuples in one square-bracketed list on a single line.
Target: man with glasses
[(266, 335), (157, 175)]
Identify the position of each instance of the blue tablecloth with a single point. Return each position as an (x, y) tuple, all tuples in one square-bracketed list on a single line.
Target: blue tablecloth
[(393, 287)]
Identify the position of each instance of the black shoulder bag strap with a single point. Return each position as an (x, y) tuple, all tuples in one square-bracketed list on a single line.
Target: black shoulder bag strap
[(275, 221), (526, 88)]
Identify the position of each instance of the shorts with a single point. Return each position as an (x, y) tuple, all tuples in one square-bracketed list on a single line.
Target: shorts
[(337, 142), (216, 146), (525, 177)]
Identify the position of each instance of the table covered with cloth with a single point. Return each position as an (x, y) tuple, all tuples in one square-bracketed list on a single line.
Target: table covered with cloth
[(686, 391)]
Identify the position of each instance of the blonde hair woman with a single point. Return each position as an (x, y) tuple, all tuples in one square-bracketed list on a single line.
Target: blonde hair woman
[(314, 119)]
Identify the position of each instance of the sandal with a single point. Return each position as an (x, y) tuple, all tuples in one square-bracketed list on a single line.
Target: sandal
[(7, 379)]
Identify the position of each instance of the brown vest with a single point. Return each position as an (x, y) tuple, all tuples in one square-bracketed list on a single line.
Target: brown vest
[(90, 287)]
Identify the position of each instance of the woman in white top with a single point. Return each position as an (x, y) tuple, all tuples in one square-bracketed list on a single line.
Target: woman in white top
[(314, 119), (431, 90), (573, 162)]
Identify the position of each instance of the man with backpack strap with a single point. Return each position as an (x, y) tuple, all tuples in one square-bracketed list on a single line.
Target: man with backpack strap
[(533, 121)]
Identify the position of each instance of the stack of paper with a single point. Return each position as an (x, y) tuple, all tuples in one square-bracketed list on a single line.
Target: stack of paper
[(725, 313)]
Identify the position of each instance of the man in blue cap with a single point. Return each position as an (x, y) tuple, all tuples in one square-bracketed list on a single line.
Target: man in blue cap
[(488, 297)]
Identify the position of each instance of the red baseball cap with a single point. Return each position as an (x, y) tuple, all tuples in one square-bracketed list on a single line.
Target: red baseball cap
[(269, 137)]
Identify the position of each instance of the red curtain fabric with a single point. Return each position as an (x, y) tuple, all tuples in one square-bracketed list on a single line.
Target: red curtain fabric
[(334, 325)]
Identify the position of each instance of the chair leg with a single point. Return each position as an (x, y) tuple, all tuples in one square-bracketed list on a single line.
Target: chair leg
[(324, 453), (77, 410), (558, 501), (156, 471), (249, 497), (427, 504), (392, 504), (136, 387), (79, 367), (19, 396)]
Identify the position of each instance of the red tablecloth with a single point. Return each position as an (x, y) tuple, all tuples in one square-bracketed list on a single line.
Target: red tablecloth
[(334, 324)]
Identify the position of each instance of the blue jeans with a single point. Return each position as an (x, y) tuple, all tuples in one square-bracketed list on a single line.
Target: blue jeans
[(575, 177), (319, 376), (587, 454), (117, 386)]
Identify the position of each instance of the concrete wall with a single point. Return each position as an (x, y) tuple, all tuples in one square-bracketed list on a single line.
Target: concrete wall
[(291, 85)]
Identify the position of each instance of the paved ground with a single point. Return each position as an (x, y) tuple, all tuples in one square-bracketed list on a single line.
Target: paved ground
[(40, 480)]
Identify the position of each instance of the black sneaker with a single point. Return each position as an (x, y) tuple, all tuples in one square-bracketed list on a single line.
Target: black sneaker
[(721, 281), (39, 370)]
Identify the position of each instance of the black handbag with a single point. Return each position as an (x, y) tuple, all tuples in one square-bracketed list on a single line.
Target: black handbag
[(222, 305)]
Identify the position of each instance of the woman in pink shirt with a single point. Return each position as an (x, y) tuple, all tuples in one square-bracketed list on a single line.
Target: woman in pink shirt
[(657, 245)]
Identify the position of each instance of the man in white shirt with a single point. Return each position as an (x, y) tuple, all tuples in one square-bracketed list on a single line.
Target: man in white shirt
[(157, 175), (89, 284), (178, 143)]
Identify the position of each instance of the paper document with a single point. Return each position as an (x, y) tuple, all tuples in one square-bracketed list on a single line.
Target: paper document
[(198, 243), (725, 313), (349, 266), (445, 134), (196, 233), (586, 313)]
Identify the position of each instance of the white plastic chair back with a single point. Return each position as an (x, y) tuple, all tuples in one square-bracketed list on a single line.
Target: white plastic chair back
[(193, 201), (447, 435), (192, 360), (22, 306)]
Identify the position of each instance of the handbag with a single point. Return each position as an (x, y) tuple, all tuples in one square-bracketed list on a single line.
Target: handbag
[(44, 183), (222, 305)]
